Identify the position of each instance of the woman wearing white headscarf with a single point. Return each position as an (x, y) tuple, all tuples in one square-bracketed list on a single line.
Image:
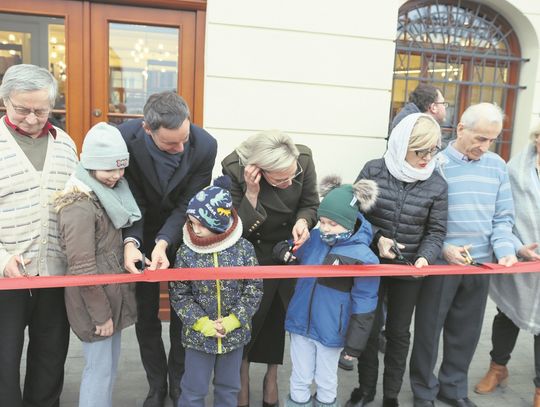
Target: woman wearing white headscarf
[(409, 221), (517, 295)]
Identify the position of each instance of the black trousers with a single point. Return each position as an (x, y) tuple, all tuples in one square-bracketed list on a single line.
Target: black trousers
[(457, 304), (268, 324), (44, 313), (503, 339), (148, 330), (401, 296)]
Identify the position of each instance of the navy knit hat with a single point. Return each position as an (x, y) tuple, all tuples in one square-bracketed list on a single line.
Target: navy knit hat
[(212, 206)]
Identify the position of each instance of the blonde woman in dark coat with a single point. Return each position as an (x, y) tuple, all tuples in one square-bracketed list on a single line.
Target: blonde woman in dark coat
[(274, 189)]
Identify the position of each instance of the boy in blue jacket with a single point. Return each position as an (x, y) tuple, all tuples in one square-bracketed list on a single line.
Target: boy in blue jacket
[(328, 314)]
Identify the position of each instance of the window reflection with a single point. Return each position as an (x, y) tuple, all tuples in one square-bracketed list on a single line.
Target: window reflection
[(22, 41), (142, 60)]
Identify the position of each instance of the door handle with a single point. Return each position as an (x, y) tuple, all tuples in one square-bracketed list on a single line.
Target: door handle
[(97, 113)]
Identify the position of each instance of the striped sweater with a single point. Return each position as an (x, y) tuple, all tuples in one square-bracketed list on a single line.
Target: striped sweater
[(480, 204), (27, 218)]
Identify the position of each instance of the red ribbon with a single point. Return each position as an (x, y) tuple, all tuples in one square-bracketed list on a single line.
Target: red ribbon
[(225, 273)]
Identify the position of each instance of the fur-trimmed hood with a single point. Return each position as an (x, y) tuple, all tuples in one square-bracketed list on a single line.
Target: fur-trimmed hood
[(66, 198)]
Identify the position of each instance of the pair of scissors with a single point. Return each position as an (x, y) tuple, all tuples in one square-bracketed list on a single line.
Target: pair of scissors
[(469, 259), (399, 256), (141, 264), (23, 266)]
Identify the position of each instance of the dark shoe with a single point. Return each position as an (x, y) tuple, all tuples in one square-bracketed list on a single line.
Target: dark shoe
[(423, 403), (389, 402), (360, 398), (464, 402), (155, 398), (344, 363)]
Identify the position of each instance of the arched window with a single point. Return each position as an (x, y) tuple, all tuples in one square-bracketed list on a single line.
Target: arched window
[(467, 50)]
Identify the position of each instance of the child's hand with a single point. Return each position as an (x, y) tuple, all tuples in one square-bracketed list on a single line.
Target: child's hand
[(105, 329), (220, 329), (205, 326), (230, 323), (282, 252), (347, 357)]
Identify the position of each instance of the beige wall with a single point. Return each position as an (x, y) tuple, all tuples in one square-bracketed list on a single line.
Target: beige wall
[(322, 72)]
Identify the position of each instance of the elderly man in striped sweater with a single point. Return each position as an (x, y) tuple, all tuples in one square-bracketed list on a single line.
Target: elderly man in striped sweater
[(480, 220), (36, 160)]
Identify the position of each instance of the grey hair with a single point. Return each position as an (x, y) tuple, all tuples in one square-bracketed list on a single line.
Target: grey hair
[(165, 109), (488, 112), (270, 150), (535, 132), (28, 78)]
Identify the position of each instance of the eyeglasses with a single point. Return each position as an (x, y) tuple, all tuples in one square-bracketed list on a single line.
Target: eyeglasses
[(24, 111), (280, 182), (427, 151), (445, 104)]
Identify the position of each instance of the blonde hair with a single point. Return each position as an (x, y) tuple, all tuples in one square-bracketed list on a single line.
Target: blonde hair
[(535, 132), (425, 134), (270, 150)]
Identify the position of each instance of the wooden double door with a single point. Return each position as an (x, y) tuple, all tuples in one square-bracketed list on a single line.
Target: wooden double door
[(108, 58)]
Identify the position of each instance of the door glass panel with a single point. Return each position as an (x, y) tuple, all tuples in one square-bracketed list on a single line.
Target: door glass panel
[(142, 60), (26, 39)]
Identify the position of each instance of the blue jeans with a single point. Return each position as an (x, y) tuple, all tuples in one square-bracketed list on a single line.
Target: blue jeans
[(99, 372), (196, 378)]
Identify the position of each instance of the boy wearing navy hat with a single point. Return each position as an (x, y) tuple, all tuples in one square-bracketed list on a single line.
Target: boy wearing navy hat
[(216, 314)]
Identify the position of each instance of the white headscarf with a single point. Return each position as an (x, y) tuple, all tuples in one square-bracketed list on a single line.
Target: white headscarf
[(398, 145)]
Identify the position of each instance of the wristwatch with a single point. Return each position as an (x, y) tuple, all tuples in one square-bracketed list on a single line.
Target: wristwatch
[(132, 240)]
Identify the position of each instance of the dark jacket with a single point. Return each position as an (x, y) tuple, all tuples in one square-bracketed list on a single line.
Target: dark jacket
[(277, 209), (93, 246), (335, 311), (408, 109), (412, 213), (193, 300), (165, 213)]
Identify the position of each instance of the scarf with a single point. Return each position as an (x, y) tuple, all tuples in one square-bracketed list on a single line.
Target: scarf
[(517, 294), (398, 145), (118, 202), (216, 243)]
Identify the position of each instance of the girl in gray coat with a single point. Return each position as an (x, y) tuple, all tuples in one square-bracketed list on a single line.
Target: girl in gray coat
[(92, 210)]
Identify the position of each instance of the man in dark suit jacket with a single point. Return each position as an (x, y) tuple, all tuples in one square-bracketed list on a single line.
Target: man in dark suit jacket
[(170, 161)]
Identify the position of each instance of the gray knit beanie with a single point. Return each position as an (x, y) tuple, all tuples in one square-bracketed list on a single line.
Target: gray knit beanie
[(104, 148)]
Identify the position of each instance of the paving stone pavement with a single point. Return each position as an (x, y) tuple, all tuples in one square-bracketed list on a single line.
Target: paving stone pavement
[(131, 386)]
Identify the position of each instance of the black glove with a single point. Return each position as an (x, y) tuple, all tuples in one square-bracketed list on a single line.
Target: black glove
[(282, 253)]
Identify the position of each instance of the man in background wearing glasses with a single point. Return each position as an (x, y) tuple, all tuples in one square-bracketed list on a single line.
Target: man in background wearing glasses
[(36, 160), (424, 99)]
